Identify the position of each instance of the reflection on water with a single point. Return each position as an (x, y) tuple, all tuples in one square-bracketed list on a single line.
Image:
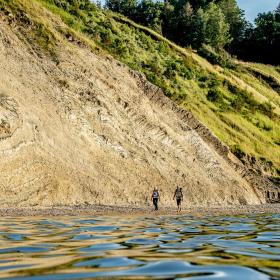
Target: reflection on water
[(176, 247)]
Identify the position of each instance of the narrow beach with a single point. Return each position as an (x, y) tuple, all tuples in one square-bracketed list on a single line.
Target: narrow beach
[(99, 210)]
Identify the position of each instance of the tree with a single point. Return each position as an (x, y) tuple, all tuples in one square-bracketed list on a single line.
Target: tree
[(267, 36), (167, 17), (125, 7), (185, 22), (235, 18), (266, 27), (215, 28), (149, 14), (277, 10), (198, 28), (196, 4), (262, 42), (218, 23)]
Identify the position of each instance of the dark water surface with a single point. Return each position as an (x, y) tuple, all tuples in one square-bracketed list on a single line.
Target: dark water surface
[(175, 247)]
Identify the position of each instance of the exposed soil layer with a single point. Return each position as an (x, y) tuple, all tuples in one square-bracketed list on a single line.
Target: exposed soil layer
[(85, 129)]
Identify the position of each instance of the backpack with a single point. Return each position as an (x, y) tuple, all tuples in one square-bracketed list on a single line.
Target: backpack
[(178, 194), (155, 194)]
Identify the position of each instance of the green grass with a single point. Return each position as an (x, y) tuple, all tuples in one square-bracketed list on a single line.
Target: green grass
[(242, 110), (35, 31)]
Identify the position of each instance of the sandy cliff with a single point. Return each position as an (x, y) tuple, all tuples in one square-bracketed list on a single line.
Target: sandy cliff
[(85, 129)]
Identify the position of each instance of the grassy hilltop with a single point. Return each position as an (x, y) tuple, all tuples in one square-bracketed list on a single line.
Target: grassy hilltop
[(238, 101)]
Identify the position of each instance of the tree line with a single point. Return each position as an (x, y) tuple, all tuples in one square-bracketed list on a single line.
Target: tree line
[(220, 24)]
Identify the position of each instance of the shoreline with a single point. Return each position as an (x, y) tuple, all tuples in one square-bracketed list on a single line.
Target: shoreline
[(106, 210)]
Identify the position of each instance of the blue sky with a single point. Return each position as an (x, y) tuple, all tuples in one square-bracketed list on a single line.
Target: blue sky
[(253, 7)]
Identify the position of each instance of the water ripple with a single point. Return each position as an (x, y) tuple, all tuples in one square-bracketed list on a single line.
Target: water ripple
[(176, 247)]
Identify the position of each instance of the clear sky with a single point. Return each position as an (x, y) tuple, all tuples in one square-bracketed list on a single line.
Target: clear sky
[(253, 7)]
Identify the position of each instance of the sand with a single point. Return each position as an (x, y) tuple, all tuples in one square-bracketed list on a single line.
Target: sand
[(102, 210)]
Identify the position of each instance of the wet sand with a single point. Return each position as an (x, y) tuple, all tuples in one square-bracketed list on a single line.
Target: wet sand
[(99, 210)]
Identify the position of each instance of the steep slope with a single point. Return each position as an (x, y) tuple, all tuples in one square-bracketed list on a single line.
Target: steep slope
[(241, 106), (82, 128)]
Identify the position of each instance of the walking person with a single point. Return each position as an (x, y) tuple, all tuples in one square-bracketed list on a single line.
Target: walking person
[(155, 198), (178, 194)]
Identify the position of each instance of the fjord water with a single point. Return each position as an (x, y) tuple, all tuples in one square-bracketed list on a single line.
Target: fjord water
[(168, 247)]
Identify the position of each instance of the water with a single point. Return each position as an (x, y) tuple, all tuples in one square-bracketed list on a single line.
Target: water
[(175, 247)]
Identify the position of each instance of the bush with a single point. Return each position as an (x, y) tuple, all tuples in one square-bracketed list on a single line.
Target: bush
[(202, 78), (155, 66), (217, 57), (214, 81), (215, 95), (172, 67), (188, 74), (119, 47), (238, 103), (267, 109), (263, 125), (242, 99), (106, 36), (237, 151), (163, 48)]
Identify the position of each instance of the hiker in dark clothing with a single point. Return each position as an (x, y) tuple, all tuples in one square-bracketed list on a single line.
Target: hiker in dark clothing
[(179, 198), (155, 198)]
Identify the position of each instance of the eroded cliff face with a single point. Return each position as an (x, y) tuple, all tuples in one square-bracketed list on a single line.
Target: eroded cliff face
[(85, 129)]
